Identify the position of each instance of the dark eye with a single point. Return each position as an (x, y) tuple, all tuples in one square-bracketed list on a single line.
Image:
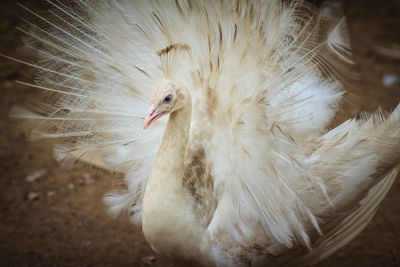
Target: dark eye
[(168, 99)]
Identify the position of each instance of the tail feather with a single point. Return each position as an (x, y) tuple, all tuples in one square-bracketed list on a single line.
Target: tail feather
[(351, 225), (354, 156)]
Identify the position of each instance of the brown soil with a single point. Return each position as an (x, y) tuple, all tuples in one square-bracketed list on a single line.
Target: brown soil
[(60, 220)]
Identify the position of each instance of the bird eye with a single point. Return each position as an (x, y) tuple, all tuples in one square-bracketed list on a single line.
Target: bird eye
[(168, 99)]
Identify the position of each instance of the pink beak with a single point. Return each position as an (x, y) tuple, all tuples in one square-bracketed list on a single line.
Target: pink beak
[(151, 116)]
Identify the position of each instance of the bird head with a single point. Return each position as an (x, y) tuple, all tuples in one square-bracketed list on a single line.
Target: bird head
[(169, 96)]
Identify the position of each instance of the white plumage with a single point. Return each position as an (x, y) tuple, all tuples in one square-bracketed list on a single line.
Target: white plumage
[(247, 173)]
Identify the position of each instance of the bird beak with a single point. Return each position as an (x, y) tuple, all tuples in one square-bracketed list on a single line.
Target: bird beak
[(152, 115)]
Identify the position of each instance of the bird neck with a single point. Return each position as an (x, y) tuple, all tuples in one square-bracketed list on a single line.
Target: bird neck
[(168, 168), (169, 163), (177, 133), (168, 221)]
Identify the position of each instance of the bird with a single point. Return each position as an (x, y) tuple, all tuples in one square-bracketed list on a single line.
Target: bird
[(217, 113)]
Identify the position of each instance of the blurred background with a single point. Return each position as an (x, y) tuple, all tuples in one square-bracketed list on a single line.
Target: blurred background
[(51, 216)]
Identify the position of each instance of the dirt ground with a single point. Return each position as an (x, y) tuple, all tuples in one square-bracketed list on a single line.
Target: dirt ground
[(59, 218)]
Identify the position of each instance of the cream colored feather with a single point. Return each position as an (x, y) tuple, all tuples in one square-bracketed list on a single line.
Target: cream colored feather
[(259, 178)]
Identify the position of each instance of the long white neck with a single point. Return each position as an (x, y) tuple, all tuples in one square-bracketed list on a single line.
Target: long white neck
[(168, 220)]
